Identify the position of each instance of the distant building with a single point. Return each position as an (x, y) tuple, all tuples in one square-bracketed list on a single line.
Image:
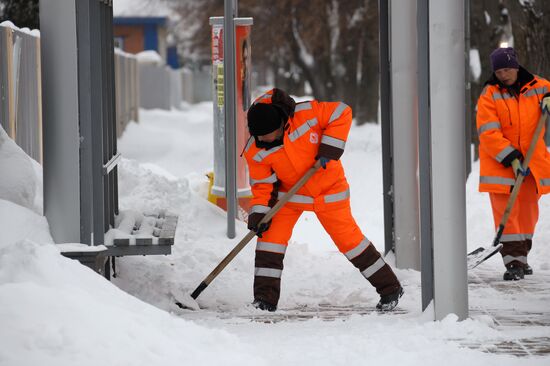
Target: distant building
[(142, 33)]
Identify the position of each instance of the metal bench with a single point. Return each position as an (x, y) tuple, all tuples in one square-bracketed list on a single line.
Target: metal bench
[(142, 234)]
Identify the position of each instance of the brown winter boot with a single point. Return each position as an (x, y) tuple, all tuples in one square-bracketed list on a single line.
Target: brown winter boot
[(513, 273), (514, 256), (389, 302), (373, 267)]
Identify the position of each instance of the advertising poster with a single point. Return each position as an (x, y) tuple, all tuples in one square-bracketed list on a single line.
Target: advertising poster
[(243, 100)]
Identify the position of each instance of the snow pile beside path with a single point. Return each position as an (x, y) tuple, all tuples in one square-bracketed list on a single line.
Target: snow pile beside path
[(47, 301), (200, 242), (55, 311), (18, 182), (145, 190), (18, 223)]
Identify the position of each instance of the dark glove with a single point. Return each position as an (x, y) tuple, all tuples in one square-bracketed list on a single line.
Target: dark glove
[(507, 161), (518, 168), (254, 223), (323, 160)]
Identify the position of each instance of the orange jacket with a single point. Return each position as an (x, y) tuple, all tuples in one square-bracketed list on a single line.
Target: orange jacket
[(506, 122), (311, 126)]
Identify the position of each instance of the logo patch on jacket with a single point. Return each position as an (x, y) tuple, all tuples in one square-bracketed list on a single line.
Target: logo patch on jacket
[(313, 137)]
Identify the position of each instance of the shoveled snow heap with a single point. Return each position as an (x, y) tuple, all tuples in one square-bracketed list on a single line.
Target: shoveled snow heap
[(54, 311)]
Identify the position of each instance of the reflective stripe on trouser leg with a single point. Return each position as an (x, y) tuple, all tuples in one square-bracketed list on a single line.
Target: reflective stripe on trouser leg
[(349, 239), (270, 253), (520, 227), (373, 267), (514, 253)]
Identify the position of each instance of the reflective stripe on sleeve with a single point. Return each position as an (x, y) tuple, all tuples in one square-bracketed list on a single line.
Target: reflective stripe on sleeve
[(259, 209), (545, 182), (302, 107), (271, 179), (489, 126), (536, 91), (497, 96), (337, 112), (332, 141), (360, 248), (508, 259), (265, 246), (261, 155), (515, 237), (496, 180), (267, 272), (302, 130), (504, 153), (249, 143), (373, 268)]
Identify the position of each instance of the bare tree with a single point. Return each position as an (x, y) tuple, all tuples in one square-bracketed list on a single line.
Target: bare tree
[(332, 45), (487, 25), (531, 29), (23, 13)]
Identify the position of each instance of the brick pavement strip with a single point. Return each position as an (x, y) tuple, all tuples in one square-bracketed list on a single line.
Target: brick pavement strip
[(518, 304)]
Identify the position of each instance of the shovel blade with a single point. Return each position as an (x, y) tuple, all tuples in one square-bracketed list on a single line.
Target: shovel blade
[(481, 254), (185, 301)]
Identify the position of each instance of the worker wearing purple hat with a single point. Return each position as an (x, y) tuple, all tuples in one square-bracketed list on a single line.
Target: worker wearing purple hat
[(508, 110)]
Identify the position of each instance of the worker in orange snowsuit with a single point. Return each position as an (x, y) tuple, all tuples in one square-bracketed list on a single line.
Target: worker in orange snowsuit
[(507, 114), (288, 138)]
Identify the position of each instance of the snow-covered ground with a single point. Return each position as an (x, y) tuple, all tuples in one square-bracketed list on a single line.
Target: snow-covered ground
[(55, 311)]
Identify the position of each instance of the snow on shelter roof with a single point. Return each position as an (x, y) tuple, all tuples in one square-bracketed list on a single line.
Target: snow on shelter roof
[(142, 8)]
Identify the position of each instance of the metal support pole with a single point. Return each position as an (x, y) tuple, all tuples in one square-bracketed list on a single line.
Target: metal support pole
[(84, 34), (446, 40), (468, 91), (385, 112), (404, 133), (78, 109), (230, 13), (62, 134), (424, 154)]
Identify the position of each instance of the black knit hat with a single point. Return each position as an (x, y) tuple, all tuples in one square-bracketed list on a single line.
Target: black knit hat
[(263, 119)]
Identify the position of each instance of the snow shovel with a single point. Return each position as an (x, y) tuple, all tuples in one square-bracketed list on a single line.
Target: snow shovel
[(189, 301), (481, 254)]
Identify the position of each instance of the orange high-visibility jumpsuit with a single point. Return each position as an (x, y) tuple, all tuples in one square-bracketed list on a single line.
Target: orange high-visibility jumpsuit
[(313, 127), (507, 121)]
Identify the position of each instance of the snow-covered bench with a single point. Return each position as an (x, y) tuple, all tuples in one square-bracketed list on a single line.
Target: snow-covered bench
[(92, 256), (141, 233)]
